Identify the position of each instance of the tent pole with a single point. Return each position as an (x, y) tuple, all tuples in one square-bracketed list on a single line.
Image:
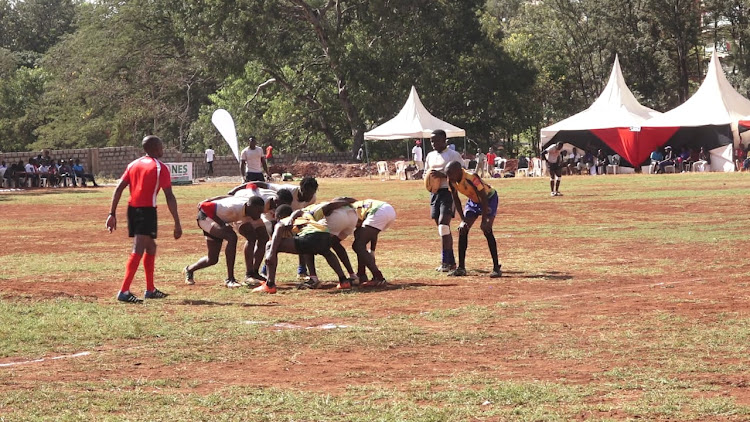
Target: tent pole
[(367, 154)]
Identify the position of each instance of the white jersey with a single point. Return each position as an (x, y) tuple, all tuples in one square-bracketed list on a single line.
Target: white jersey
[(209, 155), (296, 203), (231, 209), (553, 154), (439, 161), (416, 152), (252, 159)]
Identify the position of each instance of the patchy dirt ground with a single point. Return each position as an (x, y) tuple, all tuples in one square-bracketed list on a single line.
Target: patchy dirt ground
[(572, 309)]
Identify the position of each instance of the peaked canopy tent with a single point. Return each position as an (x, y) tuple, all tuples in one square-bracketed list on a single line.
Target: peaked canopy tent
[(413, 121), (612, 123), (708, 119)]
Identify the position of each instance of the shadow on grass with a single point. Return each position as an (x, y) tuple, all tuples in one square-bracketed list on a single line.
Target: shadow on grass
[(200, 302), (387, 287)]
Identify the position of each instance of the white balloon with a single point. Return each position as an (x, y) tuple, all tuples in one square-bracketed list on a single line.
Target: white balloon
[(225, 124)]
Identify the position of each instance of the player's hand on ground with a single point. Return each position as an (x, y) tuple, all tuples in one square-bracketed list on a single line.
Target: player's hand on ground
[(111, 223)]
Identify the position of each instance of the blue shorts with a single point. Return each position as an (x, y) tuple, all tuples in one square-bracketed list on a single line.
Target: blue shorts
[(475, 209)]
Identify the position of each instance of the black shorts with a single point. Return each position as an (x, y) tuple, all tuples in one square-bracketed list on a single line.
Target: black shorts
[(142, 220), (313, 243), (441, 203), (254, 177), (555, 169)]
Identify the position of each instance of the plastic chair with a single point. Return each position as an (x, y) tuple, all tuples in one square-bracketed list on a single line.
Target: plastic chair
[(614, 165), (401, 169), (383, 170)]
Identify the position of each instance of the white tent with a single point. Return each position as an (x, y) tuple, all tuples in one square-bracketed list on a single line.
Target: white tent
[(413, 121), (614, 120), (710, 116), (615, 107)]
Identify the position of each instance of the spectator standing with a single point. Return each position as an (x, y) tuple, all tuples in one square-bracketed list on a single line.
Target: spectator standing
[(481, 162), (490, 167), (269, 153), (253, 162), (144, 177), (210, 160), (416, 154)]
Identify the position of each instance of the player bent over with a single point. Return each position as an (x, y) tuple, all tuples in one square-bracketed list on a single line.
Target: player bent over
[(341, 220), (482, 200), (254, 252), (303, 195), (298, 233), (215, 218), (373, 217)]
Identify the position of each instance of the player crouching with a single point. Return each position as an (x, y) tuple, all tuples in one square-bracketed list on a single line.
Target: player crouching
[(373, 217), (298, 233), (482, 200), (215, 218)]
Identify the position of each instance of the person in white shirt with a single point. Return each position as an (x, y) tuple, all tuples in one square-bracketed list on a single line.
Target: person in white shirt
[(253, 162), (441, 200), (416, 154), (210, 160), (554, 158)]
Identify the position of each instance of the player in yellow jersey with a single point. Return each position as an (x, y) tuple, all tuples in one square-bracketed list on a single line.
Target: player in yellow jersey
[(373, 217), (341, 220), (482, 201), (298, 233)]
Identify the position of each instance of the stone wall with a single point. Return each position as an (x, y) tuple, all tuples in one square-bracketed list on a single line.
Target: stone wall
[(111, 162)]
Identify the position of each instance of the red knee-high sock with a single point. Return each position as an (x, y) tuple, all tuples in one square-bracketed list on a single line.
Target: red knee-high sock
[(130, 268), (148, 265)]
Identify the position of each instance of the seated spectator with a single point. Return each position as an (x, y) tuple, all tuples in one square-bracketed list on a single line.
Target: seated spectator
[(17, 174), (669, 159), (32, 173), (740, 154), (65, 173), (3, 167), (564, 162), (703, 159), (656, 157), (683, 160), (573, 159), (44, 173), (523, 162), (587, 162), (746, 163), (693, 159), (602, 161), (80, 172)]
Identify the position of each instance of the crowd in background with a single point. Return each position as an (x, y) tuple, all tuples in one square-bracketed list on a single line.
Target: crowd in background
[(44, 171)]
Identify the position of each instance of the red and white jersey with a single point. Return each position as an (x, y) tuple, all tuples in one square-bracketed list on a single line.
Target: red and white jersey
[(228, 209), (145, 176)]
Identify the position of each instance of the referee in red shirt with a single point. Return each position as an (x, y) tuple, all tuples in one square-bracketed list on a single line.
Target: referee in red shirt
[(144, 176)]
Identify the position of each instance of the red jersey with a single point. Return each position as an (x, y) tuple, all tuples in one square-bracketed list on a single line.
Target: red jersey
[(145, 176), (491, 159), (269, 152)]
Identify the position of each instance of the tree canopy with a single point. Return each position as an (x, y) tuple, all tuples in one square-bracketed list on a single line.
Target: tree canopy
[(314, 75)]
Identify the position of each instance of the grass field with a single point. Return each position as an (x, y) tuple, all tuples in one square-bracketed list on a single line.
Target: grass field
[(626, 299)]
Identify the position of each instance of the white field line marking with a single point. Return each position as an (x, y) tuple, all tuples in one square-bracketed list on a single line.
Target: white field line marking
[(43, 359), (618, 288)]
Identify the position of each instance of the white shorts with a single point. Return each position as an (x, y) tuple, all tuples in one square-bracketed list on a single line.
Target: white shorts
[(207, 223), (382, 218), (342, 222)]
